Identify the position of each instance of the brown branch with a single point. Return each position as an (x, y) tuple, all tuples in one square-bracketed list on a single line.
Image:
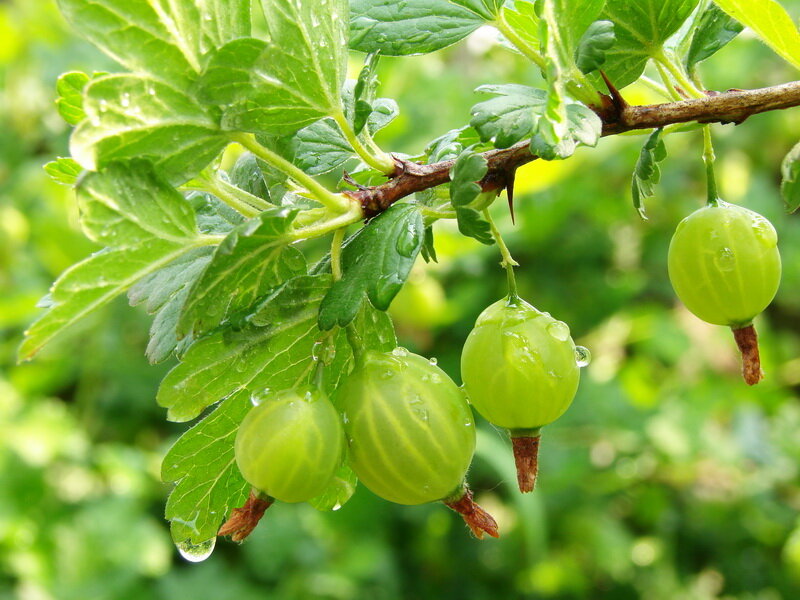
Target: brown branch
[(733, 106)]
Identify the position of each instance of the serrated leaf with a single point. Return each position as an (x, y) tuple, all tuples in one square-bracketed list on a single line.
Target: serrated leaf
[(519, 111), (129, 202), (647, 172), (70, 96), (163, 38), (375, 263), (270, 348), (93, 283), (163, 294), (317, 149), (291, 80), (209, 483), (63, 170), (641, 28), (510, 117), (522, 17), (452, 144), (593, 45), (790, 186), (213, 216), (131, 116), (247, 175), (771, 23), (254, 258), (409, 27), (714, 30), (468, 169), (384, 111)]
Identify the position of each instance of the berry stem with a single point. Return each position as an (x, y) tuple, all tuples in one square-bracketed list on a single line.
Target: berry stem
[(747, 340), (508, 262), (708, 159), (526, 457), (243, 520), (478, 520)]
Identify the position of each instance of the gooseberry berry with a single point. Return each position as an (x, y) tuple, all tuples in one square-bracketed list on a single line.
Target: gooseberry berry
[(410, 432), (290, 445), (520, 372), (725, 267)]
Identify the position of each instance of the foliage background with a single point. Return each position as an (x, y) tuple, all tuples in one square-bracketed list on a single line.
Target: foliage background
[(668, 478)]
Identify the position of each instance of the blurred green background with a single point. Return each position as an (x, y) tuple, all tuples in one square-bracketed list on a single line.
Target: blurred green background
[(668, 478)]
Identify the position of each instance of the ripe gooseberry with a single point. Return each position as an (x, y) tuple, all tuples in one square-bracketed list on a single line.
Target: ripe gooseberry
[(725, 267), (520, 372), (410, 432)]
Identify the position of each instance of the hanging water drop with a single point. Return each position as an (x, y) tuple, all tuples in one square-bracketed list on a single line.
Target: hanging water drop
[(196, 552), (582, 356)]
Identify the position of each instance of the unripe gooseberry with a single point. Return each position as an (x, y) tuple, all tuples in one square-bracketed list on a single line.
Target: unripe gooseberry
[(725, 267), (520, 372), (410, 432), (290, 445)]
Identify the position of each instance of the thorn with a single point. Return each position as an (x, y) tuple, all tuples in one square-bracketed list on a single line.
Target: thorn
[(347, 178), (511, 175), (620, 104)]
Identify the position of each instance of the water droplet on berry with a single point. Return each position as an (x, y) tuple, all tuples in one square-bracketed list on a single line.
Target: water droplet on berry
[(434, 361), (257, 398), (582, 356), (400, 351), (559, 330), (725, 259), (336, 506), (196, 552), (765, 232)]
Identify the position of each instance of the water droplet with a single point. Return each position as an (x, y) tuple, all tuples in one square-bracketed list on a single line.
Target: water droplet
[(345, 418), (196, 552), (316, 350), (103, 106), (582, 356), (336, 506), (434, 361), (765, 232), (125, 100), (559, 330), (725, 259), (435, 378), (387, 374), (308, 396), (400, 352), (257, 398)]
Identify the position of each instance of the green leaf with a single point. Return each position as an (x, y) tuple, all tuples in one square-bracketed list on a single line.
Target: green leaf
[(375, 263), (93, 283), (452, 144), (468, 169), (410, 27), (319, 148), (147, 223), (70, 96), (164, 294), (647, 172), (428, 249), (510, 117), (714, 30), (270, 348), (592, 47), (573, 18), (291, 80), (641, 28), (790, 186), (129, 202), (64, 171), (130, 116), (209, 483), (164, 38), (519, 111), (254, 258), (246, 174), (213, 216), (771, 23), (522, 17), (364, 92), (338, 491)]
